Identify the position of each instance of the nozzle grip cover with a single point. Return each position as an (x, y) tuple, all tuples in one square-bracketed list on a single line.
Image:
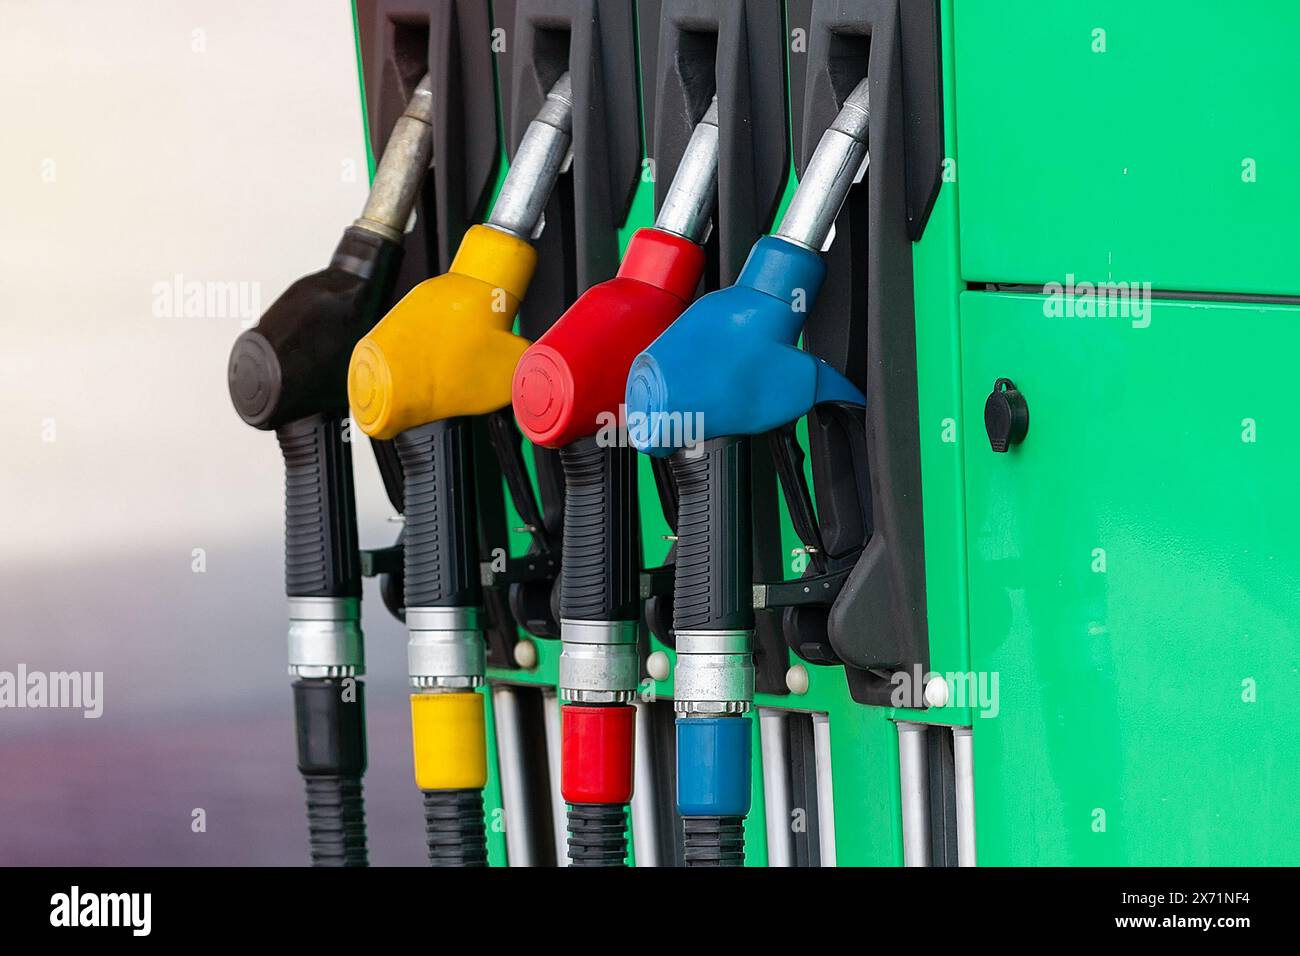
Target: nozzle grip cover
[(320, 522), (440, 544), (578, 369), (713, 574), (600, 574)]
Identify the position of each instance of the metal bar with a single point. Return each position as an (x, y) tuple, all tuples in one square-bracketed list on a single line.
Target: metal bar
[(825, 789), (520, 845), (963, 754), (645, 815), (914, 783), (774, 741)]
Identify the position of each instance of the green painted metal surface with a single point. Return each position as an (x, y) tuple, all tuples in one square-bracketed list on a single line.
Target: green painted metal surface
[(1132, 568), (1140, 142), (1146, 706)]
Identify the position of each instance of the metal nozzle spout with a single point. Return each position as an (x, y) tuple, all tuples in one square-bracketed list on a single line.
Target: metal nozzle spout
[(401, 168), (688, 207), (542, 155), (839, 161)]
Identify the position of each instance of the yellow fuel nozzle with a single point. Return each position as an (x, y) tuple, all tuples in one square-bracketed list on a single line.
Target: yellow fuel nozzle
[(447, 350)]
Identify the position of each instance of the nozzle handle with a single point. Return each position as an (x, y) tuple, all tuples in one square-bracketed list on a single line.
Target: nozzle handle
[(713, 576), (320, 523), (600, 574), (440, 545)]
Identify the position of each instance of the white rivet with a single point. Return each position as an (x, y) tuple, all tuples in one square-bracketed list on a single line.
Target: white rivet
[(796, 678), (936, 692), (658, 666), (526, 655)]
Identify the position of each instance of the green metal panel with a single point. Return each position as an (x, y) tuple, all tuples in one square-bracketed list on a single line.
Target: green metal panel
[(1140, 142), (1133, 569)]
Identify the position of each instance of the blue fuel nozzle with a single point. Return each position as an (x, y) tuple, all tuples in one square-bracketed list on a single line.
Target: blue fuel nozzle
[(731, 365)]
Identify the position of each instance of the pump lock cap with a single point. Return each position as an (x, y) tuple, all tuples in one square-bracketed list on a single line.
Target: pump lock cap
[(1006, 416)]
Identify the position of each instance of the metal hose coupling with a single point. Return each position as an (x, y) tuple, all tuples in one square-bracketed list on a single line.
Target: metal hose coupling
[(599, 662), (325, 637), (445, 649), (715, 673)]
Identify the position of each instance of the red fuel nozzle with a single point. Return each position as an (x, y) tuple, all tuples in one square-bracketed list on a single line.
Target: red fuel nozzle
[(578, 369)]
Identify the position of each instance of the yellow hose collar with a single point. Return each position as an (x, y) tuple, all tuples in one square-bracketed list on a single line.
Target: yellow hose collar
[(450, 741)]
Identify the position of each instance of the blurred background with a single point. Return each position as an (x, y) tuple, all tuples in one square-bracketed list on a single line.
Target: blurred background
[(153, 148)]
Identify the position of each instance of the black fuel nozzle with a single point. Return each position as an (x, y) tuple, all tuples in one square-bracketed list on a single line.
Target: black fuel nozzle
[(289, 374)]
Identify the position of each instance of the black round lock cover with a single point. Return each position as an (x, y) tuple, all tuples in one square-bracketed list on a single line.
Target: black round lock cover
[(1006, 416)]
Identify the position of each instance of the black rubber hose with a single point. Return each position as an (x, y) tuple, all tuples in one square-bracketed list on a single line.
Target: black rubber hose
[(330, 722), (336, 821), (598, 834), (453, 828), (714, 841)]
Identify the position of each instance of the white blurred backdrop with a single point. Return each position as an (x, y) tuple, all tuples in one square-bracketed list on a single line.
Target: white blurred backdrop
[(147, 145)]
